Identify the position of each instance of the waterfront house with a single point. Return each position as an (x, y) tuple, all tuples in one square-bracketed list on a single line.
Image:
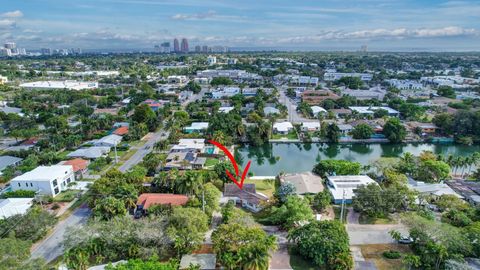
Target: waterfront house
[(342, 187), (247, 197), (304, 183), (196, 127), (282, 127)]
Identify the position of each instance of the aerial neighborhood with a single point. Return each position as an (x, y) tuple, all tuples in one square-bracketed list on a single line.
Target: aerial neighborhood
[(108, 161)]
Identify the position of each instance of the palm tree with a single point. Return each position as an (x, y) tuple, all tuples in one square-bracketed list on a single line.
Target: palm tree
[(254, 259), (189, 183)]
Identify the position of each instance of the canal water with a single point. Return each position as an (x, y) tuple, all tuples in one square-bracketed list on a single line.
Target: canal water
[(273, 158)]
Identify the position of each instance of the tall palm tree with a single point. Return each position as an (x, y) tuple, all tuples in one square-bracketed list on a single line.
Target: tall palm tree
[(190, 183)]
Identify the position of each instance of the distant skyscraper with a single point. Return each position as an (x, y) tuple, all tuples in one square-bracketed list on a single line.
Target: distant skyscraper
[(204, 48), (166, 47), (176, 45), (184, 45), (10, 45), (46, 51), (198, 49), (364, 48)]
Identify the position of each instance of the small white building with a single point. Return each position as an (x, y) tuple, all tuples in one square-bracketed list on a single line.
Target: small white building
[(14, 206), (225, 109), (188, 145), (211, 60), (310, 126), (370, 110), (226, 92), (282, 127), (46, 180), (317, 109), (342, 187), (73, 85), (3, 79), (177, 79)]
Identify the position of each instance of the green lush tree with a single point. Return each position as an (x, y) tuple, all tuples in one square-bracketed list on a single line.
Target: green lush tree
[(432, 170), (13, 253), (241, 247), (324, 242), (187, 227), (193, 86), (109, 207), (376, 201), (294, 211), (362, 131), (221, 81), (322, 200), (446, 91), (31, 226), (337, 167), (333, 133), (394, 130), (284, 191), (351, 82), (144, 114), (150, 264)]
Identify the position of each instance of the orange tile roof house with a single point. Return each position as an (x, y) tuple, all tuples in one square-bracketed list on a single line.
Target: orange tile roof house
[(121, 131), (79, 166), (149, 199)]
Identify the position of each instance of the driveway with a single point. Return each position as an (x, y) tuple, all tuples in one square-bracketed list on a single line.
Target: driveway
[(373, 234), (143, 151), (51, 247), (280, 259)]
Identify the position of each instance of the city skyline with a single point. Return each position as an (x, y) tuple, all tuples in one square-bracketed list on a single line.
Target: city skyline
[(303, 25)]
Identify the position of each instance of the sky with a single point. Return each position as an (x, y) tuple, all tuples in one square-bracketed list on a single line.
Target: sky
[(403, 25)]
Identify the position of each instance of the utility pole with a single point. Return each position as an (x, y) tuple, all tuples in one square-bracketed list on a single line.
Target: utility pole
[(116, 157), (343, 205)]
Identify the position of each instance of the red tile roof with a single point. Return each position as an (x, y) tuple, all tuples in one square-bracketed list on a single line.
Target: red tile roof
[(77, 164), (121, 131), (148, 199)]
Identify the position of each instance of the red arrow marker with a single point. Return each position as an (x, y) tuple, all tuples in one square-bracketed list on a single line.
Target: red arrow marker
[(234, 163)]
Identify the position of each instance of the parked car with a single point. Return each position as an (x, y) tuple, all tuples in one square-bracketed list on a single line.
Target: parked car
[(405, 240), (139, 212)]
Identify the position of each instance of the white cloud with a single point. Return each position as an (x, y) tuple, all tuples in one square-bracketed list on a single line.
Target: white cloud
[(12, 14), (7, 24), (195, 16)]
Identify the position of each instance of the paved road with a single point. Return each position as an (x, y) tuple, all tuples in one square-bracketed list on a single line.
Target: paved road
[(373, 234), (51, 247), (293, 116), (143, 150), (195, 97)]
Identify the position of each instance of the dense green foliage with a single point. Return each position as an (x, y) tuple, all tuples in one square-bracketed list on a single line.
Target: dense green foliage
[(337, 167), (324, 242)]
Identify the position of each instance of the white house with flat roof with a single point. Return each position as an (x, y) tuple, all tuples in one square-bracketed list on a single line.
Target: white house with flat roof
[(310, 126), (46, 180), (343, 186), (370, 110), (72, 85), (188, 145), (317, 109), (197, 127), (225, 109), (14, 206), (282, 127)]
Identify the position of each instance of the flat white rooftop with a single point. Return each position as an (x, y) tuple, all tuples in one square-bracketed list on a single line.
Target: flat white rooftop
[(45, 173), (73, 85)]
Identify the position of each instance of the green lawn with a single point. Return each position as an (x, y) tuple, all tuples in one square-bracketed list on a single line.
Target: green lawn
[(266, 187), (364, 219), (292, 135), (211, 162), (66, 196)]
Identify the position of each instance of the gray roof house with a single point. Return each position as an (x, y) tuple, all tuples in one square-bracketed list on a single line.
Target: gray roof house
[(90, 153), (110, 140), (304, 183), (270, 110), (6, 161)]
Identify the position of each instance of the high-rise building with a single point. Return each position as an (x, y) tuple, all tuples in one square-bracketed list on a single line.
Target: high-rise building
[(198, 49), (204, 48), (176, 46), (10, 45), (184, 46), (165, 46), (46, 51)]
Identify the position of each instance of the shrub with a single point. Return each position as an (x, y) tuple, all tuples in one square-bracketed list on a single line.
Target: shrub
[(392, 254), (19, 194)]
